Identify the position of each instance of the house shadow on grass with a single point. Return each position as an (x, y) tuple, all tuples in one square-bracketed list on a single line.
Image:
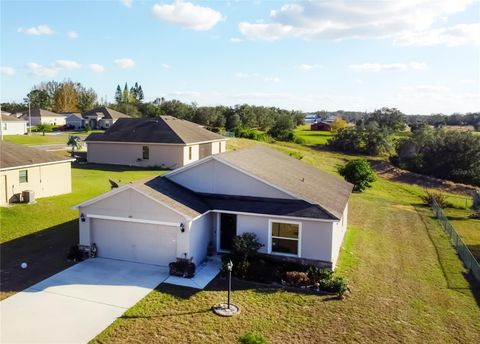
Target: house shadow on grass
[(115, 168), (45, 253)]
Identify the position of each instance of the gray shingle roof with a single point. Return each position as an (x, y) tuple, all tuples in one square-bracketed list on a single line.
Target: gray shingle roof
[(13, 155), (9, 118), (292, 175), (106, 112), (165, 129), (41, 113)]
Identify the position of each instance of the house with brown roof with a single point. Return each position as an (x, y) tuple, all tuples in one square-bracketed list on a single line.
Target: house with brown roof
[(296, 211), (11, 125), (102, 117), (41, 116), (37, 173), (166, 142)]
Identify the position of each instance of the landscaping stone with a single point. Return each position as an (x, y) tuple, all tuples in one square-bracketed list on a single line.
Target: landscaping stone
[(223, 310)]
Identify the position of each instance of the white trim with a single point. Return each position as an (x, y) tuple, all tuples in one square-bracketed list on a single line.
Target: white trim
[(188, 166), (36, 165), (299, 245), (270, 215), (129, 219), (160, 143)]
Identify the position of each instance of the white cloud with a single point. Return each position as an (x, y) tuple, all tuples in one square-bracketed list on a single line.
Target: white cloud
[(306, 66), (66, 64), (275, 79), (452, 36), (7, 70), (72, 34), (236, 40), (127, 3), (166, 66), (124, 63), (96, 68), (343, 19), (188, 15), (379, 67), (431, 88), (40, 70), (241, 75), (36, 30)]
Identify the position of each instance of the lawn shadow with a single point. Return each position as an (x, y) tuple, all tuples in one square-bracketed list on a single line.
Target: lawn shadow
[(45, 253), (115, 168)]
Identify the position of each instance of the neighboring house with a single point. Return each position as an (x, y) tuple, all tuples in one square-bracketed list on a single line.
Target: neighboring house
[(297, 211), (102, 117), (10, 125), (321, 126), (166, 141), (310, 118), (74, 120), (40, 116), (23, 168)]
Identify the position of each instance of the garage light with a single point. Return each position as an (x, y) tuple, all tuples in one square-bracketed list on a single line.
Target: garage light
[(82, 217), (182, 227)]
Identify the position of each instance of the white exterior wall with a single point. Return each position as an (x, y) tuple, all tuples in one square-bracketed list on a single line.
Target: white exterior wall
[(215, 177), (186, 155), (44, 180), (13, 127), (75, 122), (201, 233), (219, 147), (165, 156), (137, 207), (315, 236), (339, 231), (53, 120)]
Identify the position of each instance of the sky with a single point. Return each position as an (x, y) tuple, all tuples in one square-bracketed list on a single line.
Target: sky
[(421, 56)]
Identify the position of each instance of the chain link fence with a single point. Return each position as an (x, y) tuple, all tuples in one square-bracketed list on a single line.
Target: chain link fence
[(469, 261)]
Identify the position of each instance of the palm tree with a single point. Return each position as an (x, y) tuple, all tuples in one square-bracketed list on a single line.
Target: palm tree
[(74, 141)]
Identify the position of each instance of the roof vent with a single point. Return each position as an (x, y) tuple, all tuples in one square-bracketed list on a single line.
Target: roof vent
[(303, 179)]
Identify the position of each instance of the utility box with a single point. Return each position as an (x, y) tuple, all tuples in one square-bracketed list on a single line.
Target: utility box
[(28, 196)]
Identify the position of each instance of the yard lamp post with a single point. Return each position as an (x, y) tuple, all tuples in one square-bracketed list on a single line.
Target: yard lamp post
[(227, 309)]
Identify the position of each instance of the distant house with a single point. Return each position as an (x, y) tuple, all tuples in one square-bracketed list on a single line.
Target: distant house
[(74, 120), (12, 126), (40, 116), (102, 117), (321, 126), (24, 168), (310, 118), (166, 141)]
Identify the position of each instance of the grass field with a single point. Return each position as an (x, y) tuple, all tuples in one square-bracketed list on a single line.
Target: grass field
[(312, 137), (39, 139), (468, 229), (22, 219), (407, 285)]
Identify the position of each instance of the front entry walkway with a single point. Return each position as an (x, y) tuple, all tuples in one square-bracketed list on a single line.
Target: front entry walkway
[(76, 304)]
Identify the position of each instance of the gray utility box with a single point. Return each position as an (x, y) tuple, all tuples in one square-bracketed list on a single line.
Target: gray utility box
[(28, 196)]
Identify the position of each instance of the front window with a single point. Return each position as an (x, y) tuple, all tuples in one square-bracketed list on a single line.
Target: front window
[(23, 176), (146, 153), (285, 238)]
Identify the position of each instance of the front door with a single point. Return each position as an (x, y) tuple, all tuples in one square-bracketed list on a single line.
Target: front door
[(228, 229)]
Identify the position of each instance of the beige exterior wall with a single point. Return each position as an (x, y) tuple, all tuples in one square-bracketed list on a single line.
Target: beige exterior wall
[(13, 128), (57, 120), (166, 156), (44, 180), (219, 146), (189, 158)]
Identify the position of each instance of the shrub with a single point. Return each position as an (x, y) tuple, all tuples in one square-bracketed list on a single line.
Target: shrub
[(87, 128), (439, 197), (335, 285), (297, 278), (316, 274), (359, 173), (245, 246), (252, 338), (296, 155)]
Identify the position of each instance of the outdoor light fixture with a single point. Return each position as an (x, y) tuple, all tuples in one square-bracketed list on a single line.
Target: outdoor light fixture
[(182, 227), (227, 309), (82, 217)]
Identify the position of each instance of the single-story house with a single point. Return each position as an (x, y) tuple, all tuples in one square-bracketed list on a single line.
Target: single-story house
[(321, 126), (12, 126), (297, 211), (102, 117), (24, 168), (40, 116), (166, 141), (74, 120)]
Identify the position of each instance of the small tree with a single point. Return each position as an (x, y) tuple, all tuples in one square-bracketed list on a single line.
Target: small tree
[(74, 141), (44, 128), (359, 173), (244, 247), (338, 123)]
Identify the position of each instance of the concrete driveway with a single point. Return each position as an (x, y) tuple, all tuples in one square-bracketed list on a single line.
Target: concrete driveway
[(76, 304)]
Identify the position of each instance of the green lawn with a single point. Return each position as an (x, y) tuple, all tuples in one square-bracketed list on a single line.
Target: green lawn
[(313, 137), (39, 139), (406, 280), (87, 181), (468, 229)]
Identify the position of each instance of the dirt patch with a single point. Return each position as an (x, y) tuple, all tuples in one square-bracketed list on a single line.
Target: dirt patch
[(390, 172)]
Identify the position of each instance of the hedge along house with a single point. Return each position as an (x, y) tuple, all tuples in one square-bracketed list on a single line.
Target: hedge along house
[(166, 142), (28, 169), (297, 211)]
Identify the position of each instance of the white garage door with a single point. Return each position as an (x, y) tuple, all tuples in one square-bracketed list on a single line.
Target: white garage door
[(135, 242)]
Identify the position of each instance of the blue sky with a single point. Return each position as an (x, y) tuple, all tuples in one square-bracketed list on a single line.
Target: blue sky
[(421, 56)]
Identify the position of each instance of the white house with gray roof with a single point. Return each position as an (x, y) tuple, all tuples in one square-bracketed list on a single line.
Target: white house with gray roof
[(297, 211)]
